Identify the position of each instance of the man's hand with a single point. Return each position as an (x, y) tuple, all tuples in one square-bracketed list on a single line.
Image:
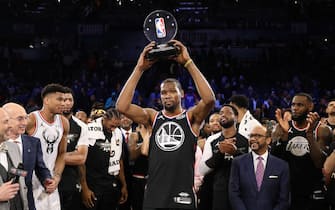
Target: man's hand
[(8, 190), (124, 195), (313, 120), (183, 56), (228, 146), (282, 122), (88, 197), (143, 63), (51, 185)]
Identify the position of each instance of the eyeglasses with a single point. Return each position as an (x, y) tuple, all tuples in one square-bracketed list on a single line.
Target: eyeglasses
[(21, 118), (256, 136)]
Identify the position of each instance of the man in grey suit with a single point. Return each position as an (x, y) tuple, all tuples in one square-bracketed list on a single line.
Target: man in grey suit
[(30, 153), (9, 154), (259, 180)]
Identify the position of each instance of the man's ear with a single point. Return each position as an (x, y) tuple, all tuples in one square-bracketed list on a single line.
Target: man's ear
[(310, 107), (182, 93)]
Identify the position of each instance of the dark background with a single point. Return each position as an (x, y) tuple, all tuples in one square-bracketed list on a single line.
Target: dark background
[(266, 49)]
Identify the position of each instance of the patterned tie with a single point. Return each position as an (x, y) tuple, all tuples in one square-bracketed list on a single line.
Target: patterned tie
[(259, 172)]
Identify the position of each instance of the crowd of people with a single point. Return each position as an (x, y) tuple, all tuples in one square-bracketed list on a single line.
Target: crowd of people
[(188, 149)]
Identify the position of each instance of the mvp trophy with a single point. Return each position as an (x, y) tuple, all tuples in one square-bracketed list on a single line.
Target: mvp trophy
[(160, 26)]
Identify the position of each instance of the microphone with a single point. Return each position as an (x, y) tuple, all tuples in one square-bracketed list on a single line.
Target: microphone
[(17, 172)]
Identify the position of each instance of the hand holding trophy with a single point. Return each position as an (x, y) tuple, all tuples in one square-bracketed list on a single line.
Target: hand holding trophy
[(160, 26)]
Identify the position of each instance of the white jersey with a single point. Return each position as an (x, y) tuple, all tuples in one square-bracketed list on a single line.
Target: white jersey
[(50, 135)]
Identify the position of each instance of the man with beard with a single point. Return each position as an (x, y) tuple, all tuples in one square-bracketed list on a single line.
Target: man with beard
[(259, 180), (51, 127), (304, 147), (77, 147), (174, 132), (103, 182), (219, 151), (206, 188)]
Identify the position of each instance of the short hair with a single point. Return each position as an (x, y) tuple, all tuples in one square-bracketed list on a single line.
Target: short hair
[(68, 90), (241, 101), (232, 107), (97, 105), (52, 88), (306, 95), (112, 113), (173, 80)]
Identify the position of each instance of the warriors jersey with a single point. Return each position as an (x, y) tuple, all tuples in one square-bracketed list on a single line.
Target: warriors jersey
[(171, 163)]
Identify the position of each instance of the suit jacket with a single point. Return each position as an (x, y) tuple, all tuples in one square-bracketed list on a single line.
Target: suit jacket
[(15, 157), (33, 161), (274, 192)]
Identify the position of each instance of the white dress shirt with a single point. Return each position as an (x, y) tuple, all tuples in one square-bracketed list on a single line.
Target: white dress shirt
[(255, 156)]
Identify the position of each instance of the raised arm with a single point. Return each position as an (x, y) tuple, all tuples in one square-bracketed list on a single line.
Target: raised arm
[(123, 104), (199, 112), (317, 147)]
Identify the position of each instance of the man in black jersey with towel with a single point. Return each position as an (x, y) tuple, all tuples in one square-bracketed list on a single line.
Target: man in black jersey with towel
[(174, 133)]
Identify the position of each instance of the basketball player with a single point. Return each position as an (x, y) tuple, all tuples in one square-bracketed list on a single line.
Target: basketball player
[(304, 147), (77, 147), (51, 127), (174, 133)]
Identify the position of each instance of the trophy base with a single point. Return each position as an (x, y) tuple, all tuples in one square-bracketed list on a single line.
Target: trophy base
[(162, 51)]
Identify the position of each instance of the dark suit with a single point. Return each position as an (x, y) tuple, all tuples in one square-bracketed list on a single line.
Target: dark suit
[(274, 192), (33, 160)]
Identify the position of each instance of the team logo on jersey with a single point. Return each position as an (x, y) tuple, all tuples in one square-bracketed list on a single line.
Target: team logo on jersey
[(104, 146), (183, 198), (72, 137), (298, 146), (170, 136), (50, 136)]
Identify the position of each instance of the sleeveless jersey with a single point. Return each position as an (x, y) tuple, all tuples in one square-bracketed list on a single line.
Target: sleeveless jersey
[(332, 126), (305, 177), (171, 163), (70, 176), (50, 135)]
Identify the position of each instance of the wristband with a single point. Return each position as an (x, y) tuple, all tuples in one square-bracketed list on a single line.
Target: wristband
[(188, 62)]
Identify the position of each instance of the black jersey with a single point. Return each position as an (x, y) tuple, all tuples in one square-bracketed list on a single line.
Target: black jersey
[(222, 166), (305, 177), (171, 163), (70, 175), (97, 164), (332, 126)]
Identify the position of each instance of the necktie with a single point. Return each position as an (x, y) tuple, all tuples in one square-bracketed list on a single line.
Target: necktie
[(259, 172), (126, 139)]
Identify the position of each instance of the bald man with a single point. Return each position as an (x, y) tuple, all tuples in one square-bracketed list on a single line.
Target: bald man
[(30, 150), (9, 196)]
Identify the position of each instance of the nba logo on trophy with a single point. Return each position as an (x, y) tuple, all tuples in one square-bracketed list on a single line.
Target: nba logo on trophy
[(160, 27)]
